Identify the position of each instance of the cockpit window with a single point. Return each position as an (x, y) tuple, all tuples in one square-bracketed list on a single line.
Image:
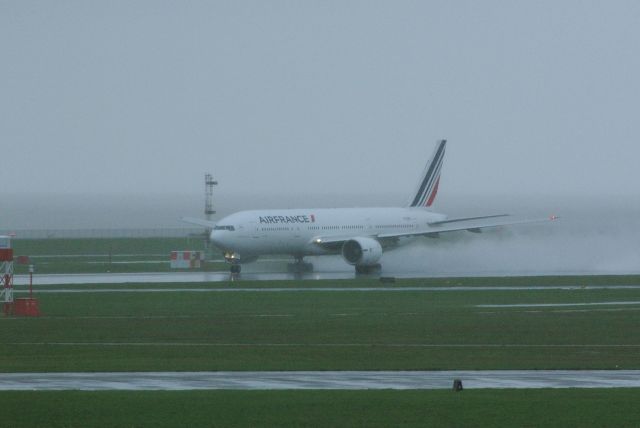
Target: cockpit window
[(230, 228)]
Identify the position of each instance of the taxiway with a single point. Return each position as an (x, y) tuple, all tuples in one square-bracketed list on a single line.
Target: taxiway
[(321, 380)]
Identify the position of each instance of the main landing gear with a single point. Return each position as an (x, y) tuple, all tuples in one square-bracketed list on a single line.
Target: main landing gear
[(299, 266), (235, 268), (368, 269)]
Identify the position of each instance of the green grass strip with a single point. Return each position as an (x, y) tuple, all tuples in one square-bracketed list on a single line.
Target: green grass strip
[(415, 408)]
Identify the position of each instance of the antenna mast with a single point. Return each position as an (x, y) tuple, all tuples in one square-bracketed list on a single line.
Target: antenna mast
[(209, 182)]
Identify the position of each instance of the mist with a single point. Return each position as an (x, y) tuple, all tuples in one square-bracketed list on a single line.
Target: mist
[(591, 236), (112, 112), (344, 97)]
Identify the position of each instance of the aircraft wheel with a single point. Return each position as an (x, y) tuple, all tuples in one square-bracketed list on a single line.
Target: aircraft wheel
[(366, 269), (300, 267), (235, 268)]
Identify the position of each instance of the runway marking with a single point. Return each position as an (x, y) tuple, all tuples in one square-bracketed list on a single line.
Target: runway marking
[(162, 317), (327, 345), (593, 310), (269, 315), (332, 289), (551, 305), (560, 311), (222, 276)]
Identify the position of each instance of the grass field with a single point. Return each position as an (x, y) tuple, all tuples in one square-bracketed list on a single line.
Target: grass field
[(326, 330), (104, 246), (118, 255), (470, 408)]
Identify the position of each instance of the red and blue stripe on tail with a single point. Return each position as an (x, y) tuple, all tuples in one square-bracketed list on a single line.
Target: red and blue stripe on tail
[(428, 187)]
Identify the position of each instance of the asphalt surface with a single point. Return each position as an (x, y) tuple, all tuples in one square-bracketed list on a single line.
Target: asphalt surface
[(298, 380), (195, 277), (321, 380), (54, 290), (164, 277)]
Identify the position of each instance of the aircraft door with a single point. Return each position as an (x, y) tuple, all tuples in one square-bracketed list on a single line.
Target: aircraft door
[(242, 231), (256, 233)]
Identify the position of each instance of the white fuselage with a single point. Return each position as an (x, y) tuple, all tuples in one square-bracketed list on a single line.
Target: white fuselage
[(293, 231)]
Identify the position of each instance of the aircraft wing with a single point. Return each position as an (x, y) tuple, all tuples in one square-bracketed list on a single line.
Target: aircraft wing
[(471, 224), (200, 222)]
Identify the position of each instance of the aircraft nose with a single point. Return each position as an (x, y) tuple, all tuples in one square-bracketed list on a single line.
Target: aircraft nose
[(219, 238), (214, 237)]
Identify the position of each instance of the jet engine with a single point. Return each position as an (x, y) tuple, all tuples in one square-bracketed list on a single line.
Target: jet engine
[(362, 251)]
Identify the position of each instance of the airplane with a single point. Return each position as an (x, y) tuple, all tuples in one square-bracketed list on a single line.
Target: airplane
[(360, 235)]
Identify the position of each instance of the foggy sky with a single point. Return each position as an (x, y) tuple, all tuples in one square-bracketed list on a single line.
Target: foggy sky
[(333, 97)]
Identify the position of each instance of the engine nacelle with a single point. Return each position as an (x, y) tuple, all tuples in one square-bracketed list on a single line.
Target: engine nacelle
[(362, 251)]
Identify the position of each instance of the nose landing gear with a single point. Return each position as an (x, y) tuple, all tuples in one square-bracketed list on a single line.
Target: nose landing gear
[(234, 259)]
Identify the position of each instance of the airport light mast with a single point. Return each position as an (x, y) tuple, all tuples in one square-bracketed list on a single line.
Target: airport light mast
[(209, 183)]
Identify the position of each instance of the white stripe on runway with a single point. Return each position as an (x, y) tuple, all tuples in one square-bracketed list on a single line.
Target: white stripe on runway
[(553, 305), (182, 277), (321, 380), (330, 289)]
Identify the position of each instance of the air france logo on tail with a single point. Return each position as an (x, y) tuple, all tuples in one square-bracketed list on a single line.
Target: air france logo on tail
[(428, 188)]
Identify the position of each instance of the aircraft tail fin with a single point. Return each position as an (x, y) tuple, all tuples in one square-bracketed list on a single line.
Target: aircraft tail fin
[(430, 178)]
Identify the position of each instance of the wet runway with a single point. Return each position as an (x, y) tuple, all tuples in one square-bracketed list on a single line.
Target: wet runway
[(351, 290), (321, 380), (168, 277)]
